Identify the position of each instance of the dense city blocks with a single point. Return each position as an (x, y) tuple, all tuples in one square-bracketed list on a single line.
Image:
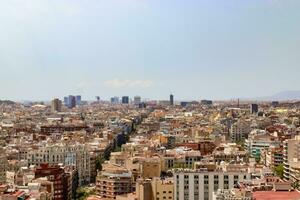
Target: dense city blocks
[(149, 99), (121, 150)]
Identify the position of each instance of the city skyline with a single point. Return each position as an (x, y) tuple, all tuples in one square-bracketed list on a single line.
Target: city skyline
[(149, 99), (284, 96), (194, 49)]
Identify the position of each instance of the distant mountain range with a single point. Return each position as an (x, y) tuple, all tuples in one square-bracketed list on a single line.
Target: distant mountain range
[(282, 96)]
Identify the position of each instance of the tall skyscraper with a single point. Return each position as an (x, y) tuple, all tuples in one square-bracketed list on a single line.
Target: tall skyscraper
[(66, 101), (98, 98), (78, 99), (253, 108), (137, 100), (172, 100), (71, 101), (56, 105), (125, 100), (114, 100)]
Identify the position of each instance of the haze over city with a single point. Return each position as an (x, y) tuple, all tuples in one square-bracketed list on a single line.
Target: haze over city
[(194, 49), (149, 99)]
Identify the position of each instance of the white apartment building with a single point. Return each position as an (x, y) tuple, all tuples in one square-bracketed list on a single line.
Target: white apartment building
[(239, 131), (137, 100), (200, 183), (291, 155), (66, 154)]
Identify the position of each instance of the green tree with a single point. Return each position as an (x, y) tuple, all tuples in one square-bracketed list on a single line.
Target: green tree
[(279, 170), (295, 185), (117, 149), (83, 193)]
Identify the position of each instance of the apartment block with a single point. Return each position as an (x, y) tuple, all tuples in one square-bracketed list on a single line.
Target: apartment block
[(201, 182), (113, 180)]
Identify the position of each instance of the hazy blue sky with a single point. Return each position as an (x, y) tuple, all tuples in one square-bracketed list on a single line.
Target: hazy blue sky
[(193, 48)]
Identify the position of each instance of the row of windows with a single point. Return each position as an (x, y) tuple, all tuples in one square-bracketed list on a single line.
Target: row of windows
[(163, 198), (215, 177), (206, 185), (165, 192)]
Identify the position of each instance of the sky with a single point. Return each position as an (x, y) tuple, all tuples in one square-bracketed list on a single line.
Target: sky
[(195, 49)]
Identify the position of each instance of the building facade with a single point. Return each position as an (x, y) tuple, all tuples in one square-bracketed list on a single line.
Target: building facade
[(199, 184), (125, 100), (114, 180), (239, 131), (291, 155), (172, 100), (137, 100), (76, 155), (56, 105), (56, 175)]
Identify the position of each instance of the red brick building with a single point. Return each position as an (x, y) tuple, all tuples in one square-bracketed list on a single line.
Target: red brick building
[(61, 181)]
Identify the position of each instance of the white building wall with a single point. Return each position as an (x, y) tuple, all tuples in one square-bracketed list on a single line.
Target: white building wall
[(191, 183)]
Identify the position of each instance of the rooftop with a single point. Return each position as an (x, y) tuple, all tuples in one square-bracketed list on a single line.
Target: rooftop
[(272, 195)]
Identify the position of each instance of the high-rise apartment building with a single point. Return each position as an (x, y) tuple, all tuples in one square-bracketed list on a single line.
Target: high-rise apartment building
[(71, 101), (66, 101), (97, 98), (78, 99), (137, 100), (125, 100), (253, 108), (291, 156), (114, 100), (56, 105), (172, 100)]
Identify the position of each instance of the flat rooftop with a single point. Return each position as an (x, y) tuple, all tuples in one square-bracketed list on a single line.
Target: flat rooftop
[(272, 195)]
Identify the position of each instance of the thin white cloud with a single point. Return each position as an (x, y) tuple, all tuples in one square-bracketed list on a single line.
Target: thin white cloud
[(117, 83), (82, 84)]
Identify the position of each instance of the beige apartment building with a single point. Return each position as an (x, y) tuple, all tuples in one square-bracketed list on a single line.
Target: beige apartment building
[(291, 156), (113, 180), (56, 105), (239, 131), (151, 167), (155, 189)]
